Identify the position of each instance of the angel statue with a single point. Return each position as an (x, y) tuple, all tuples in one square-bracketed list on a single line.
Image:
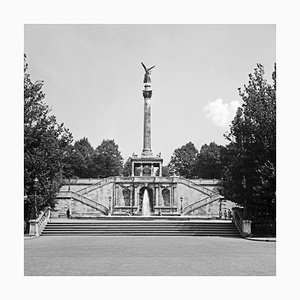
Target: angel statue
[(147, 78)]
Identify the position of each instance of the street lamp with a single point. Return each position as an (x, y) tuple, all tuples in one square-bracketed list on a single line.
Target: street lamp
[(110, 207), (35, 185), (244, 184), (181, 205)]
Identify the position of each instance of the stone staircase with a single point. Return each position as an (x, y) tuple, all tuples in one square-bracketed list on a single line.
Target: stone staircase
[(83, 199), (140, 228), (81, 194)]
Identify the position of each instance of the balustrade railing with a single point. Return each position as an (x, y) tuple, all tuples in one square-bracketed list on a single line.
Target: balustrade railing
[(85, 200), (207, 181), (96, 185), (237, 219), (36, 226), (124, 179), (205, 201), (196, 186), (243, 226)]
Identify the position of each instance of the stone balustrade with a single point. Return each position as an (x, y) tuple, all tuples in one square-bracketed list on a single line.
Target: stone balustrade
[(83, 199), (195, 186), (96, 185), (201, 203), (243, 226), (37, 226)]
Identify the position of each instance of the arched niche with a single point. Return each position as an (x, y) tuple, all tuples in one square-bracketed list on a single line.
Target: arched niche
[(166, 197), (126, 195)]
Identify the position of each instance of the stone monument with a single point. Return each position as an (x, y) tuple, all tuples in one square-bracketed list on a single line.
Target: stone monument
[(147, 164), (146, 192)]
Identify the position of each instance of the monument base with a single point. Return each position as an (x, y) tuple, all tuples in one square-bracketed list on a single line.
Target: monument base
[(146, 165), (147, 153)]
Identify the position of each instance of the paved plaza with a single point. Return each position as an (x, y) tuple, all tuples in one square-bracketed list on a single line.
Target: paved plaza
[(147, 256)]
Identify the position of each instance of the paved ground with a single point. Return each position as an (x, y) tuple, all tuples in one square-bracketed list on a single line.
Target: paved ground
[(164, 256)]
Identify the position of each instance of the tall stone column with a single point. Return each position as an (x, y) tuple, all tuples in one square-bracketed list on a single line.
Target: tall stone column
[(147, 93), (156, 195)]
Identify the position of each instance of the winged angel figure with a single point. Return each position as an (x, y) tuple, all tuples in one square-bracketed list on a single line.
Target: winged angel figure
[(147, 78)]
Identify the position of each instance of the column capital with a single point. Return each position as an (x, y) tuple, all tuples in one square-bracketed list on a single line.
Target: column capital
[(147, 94)]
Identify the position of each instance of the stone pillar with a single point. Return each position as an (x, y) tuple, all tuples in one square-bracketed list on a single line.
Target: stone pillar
[(141, 170), (173, 196), (160, 169), (147, 93), (159, 196), (136, 196), (132, 169), (116, 190), (33, 228), (156, 195), (246, 228), (113, 194)]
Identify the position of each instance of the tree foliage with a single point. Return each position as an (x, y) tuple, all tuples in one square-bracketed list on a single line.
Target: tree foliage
[(107, 160), (127, 168), (45, 144), (83, 161), (183, 160), (209, 161), (79, 161), (251, 152)]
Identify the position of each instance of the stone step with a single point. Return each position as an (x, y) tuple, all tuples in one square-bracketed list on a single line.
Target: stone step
[(141, 228), (140, 224), (142, 233), (138, 228)]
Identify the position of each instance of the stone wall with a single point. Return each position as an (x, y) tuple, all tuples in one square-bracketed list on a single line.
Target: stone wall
[(189, 195), (101, 194)]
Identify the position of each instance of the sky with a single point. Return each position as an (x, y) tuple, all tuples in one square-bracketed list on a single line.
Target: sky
[(93, 79)]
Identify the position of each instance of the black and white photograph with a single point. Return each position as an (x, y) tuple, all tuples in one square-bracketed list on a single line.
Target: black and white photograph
[(150, 150)]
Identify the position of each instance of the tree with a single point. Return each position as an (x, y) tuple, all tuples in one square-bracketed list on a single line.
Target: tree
[(45, 145), (107, 159), (127, 168), (183, 160), (209, 162), (79, 161), (252, 149)]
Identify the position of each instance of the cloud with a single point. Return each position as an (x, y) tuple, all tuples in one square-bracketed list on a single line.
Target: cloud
[(221, 113)]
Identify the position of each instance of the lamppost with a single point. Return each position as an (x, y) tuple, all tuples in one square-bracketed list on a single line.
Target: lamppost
[(244, 184), (110, 208), (181, 205), (35, 185)]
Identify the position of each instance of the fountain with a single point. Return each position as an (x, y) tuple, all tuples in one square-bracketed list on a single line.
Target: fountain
[(146, 204)]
